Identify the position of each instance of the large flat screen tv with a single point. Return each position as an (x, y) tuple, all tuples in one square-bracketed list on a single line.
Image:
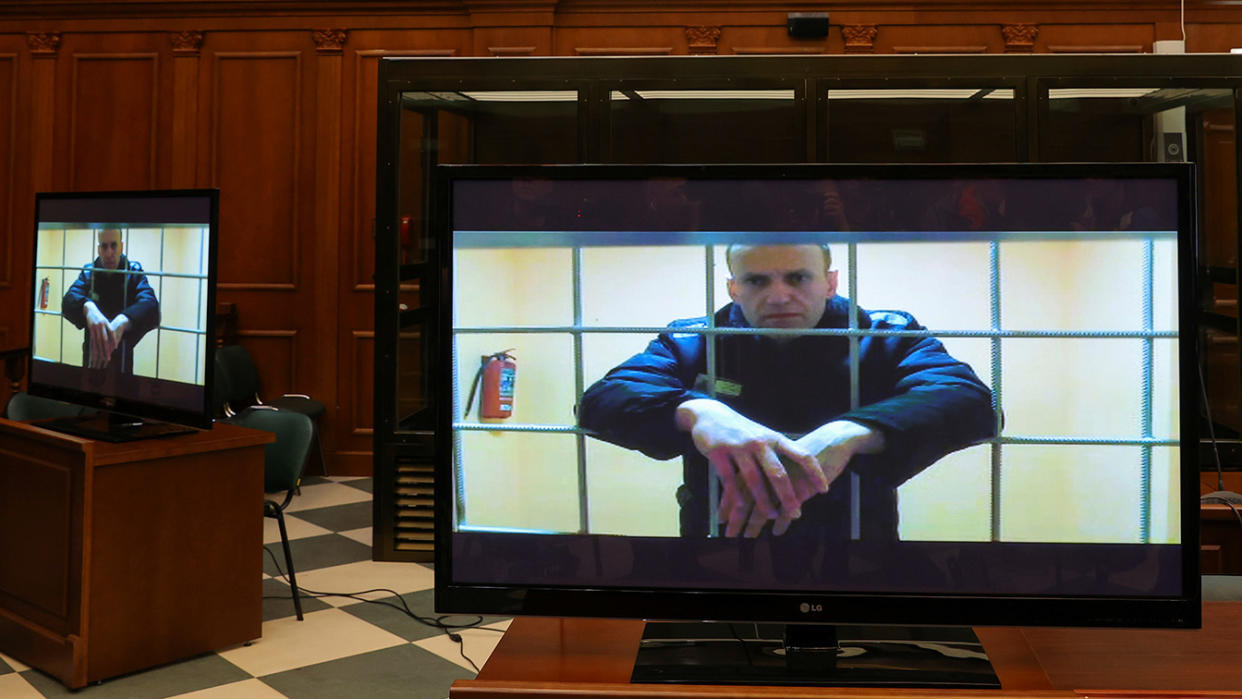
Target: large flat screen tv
[(848, 394), (123, 312)]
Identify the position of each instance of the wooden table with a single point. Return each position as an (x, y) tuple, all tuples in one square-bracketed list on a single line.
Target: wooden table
[(580, 658), (119, 557)]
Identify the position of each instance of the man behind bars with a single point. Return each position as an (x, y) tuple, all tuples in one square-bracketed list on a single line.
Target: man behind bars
[(780, 431), (112, 301)]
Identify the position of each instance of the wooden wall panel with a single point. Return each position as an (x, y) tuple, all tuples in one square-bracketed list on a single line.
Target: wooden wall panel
[(277, 355), (1214, 38), (362, 356), (1219, 175), (949, 38), (255, 156), (1095, 38), (8, 153), (763, 40), (113, 110)]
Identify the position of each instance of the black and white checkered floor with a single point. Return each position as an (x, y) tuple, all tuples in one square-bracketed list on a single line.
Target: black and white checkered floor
[(344, 647)]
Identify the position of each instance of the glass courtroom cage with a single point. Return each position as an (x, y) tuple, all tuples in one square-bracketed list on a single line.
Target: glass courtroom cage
[(822, 109)]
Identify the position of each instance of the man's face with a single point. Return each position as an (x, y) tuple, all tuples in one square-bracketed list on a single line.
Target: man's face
[(110, 247), (781, 286)]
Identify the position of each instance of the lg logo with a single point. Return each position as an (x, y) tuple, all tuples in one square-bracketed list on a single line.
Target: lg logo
[(806, 608)]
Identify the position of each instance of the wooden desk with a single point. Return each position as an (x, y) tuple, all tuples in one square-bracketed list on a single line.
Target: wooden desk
[(119, 557), (581, 658)]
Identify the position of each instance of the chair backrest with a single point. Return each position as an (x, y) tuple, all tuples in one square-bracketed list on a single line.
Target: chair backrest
[(237, 379), (284, 459), (23, 406)]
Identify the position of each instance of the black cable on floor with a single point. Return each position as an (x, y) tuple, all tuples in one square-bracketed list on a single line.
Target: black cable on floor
[(437, 622)]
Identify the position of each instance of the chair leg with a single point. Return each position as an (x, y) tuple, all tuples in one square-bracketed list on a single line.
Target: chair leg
[(323, 463), (293, 578)]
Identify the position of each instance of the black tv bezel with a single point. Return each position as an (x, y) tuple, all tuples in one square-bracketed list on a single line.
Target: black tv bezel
[(1183, 611), (200, 418)]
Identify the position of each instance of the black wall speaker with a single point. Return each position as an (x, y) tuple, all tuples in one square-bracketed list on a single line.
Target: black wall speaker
[(807, 25)]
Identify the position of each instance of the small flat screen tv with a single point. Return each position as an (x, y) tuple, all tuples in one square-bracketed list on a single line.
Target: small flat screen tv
[(953, 395), (123, 309)]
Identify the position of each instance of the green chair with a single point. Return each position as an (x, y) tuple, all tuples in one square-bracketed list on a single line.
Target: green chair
[(283, 461), (23, 406), (237, 387)]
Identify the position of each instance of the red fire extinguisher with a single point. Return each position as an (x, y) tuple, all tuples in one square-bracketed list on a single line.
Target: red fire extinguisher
[(498, 375)]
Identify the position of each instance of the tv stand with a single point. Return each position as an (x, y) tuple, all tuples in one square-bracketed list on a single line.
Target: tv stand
[(113, 427), (560, 658), (812, 655), (100, 544)]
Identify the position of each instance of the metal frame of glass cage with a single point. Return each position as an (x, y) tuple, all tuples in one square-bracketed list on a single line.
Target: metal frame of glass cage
[(404, 445)]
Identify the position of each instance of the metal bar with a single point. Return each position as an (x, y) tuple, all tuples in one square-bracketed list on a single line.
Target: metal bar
[(584, 518), (60, 327), (459, 475), (199, 348), (504, 239), (831, 332), (851, 267), (188, 331), (1024, 440), (997, 385), (159, 332), (1146, 418), (145, 272), (709, 296), (173, 328), (1093, 441), (497, 427)]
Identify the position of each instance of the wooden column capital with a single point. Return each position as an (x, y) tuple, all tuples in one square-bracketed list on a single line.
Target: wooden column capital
[(703, 40), (329, 40), (43, 44), (187, 43), (860, 38), (1020, 38)]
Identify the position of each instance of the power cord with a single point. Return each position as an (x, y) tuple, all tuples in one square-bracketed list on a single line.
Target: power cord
[(437, 622)]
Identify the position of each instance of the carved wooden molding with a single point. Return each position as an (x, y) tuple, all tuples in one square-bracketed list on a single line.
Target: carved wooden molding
[(329, 40), (940, 49), (625, 51), (1020, 38), (446, 53), (43, 43), (479, 6), (703, 40), (511, 50), (187, 43), (1126, 48), (778, 50), (859, 38)]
